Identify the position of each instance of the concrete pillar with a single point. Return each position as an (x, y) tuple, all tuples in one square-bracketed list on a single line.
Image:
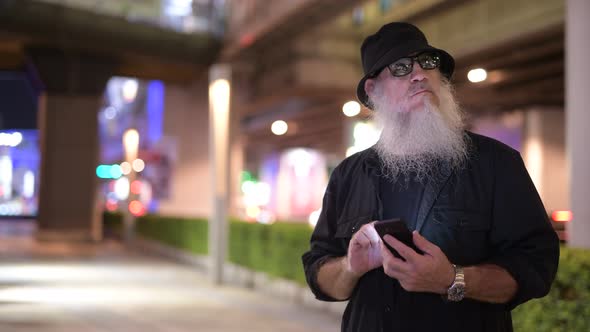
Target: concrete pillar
[(68, 208), (68, 142), (544, 156), (186, 128), (186, 122), (577, 76)]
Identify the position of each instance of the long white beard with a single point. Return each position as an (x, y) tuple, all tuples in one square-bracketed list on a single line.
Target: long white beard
[(414, 143)]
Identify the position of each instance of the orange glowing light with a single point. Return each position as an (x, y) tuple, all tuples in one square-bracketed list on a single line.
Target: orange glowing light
[(562, 216), (136, 187), (136, 208)]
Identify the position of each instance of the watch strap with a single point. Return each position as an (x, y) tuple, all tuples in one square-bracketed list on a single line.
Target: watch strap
[(456, 291)]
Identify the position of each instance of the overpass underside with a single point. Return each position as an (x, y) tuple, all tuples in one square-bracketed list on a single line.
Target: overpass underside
[(297, 61), (307, 71)]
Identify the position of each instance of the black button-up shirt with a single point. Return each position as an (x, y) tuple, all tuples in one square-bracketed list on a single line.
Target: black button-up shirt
[(487, 212)]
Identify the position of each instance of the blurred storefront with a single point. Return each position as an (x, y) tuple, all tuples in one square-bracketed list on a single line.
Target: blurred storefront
[(19, 144), (19, 173), (134, 104)]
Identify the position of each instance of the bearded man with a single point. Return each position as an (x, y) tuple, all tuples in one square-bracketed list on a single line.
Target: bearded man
[(484, 238)]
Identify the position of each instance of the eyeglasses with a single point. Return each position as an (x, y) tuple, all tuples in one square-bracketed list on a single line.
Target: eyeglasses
[(404, 66)]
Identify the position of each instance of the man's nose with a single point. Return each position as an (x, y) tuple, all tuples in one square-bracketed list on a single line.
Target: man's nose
[(418, 74)]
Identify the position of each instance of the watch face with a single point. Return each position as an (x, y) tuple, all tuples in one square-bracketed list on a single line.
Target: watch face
[(456, 292)]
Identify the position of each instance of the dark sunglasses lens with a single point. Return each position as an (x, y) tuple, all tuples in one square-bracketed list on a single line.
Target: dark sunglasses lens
[(429, 60), (401, 67)]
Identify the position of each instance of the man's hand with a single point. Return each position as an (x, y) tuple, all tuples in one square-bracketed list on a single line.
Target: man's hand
[(431, 272), (338, 276), (364, 252)]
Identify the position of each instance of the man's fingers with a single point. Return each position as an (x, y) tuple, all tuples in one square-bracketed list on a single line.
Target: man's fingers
[(361, 240), (372, 234), (367, 236), (406, 252), (392, 265), (423, 244), (369, 232), (385, 253)]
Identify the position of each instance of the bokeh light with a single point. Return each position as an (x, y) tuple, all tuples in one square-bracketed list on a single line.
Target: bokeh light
[(279, 127), (351, 108), (477, 75), (138, 165), (136, 208)]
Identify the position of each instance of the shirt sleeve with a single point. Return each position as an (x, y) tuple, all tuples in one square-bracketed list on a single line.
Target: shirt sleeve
[(524, 241), (323, 244)]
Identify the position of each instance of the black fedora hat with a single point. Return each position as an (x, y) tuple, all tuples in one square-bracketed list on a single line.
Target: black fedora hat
[(392, 42)]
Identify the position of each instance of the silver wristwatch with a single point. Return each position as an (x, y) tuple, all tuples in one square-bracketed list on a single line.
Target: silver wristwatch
[(456, 292)]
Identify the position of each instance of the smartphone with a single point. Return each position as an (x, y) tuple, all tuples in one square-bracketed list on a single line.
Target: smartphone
[(397, 228)]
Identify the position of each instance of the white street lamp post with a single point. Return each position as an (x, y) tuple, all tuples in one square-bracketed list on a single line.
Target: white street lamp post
[(219, 108)]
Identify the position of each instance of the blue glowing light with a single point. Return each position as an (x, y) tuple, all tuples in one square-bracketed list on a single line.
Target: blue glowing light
[(155, 110)]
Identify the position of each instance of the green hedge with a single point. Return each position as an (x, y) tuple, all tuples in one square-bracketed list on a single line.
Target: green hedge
[(567, 307), (276, 249), (182, 233)]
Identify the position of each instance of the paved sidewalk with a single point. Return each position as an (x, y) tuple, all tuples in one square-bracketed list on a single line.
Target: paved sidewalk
[(58, 287)]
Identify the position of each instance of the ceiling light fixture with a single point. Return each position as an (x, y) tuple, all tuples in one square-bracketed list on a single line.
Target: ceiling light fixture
[(477, 75), (279, 127)]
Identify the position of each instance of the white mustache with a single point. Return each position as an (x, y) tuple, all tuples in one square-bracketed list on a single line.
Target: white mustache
[(417, 87)]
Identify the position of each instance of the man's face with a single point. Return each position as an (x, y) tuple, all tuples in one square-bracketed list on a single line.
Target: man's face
[(420, 119), (409, 92)]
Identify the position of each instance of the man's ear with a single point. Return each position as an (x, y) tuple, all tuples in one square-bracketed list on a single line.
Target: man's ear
[(370, 86)]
